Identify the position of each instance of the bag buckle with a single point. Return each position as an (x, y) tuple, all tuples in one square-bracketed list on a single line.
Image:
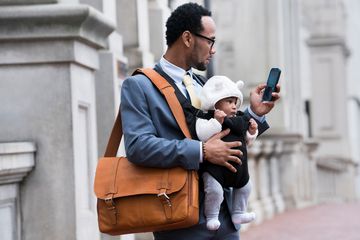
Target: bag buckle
[(164, 198), (112, 209), (110, 203)]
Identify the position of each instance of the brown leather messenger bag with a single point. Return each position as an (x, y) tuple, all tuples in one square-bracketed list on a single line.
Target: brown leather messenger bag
[(131, 198)]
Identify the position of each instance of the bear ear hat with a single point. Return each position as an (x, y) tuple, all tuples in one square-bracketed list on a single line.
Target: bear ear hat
[(240, 84), (218, 86)]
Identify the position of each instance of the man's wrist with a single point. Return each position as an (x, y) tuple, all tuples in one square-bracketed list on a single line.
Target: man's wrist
[(257, 117), (203, 151)]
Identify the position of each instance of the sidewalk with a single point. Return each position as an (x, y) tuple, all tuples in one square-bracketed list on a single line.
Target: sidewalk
[(332, 221)]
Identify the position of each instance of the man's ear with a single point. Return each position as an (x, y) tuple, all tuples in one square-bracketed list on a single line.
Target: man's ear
[(187, 38)]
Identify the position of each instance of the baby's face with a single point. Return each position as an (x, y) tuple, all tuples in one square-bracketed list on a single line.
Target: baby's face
[(227, 105)]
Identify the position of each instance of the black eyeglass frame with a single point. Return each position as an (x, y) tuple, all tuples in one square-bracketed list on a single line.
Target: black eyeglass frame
[(207, 38)]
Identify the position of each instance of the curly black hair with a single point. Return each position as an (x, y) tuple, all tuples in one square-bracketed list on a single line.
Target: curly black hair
[(185, 17)]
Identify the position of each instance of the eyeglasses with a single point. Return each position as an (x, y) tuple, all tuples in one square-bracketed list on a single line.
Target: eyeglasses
[(210, 40)]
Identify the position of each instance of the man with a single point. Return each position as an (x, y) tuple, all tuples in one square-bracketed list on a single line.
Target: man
[(152, 136)]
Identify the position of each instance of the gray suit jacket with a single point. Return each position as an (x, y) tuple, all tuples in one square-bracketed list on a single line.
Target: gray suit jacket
[(152, 136)]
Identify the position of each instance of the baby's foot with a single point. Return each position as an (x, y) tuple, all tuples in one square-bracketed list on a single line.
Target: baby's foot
[(213, 224), (239, 218)]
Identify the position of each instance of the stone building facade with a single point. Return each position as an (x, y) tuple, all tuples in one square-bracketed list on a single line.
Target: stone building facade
[(61, 68)]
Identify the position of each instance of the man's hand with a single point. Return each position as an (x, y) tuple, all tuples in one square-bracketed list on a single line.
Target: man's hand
[(220, 152), (257, 106)]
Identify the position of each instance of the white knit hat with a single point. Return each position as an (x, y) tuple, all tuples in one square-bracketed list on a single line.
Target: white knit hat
[(217, 88)]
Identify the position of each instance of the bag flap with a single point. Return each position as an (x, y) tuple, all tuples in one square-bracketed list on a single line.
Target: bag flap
[(118, 176)]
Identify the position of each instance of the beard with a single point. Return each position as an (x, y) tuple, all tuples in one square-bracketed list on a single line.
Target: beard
[(201, 66), (197, 64)]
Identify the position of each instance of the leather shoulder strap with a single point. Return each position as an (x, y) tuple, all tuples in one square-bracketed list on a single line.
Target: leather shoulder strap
[(115, 138), (168, 91)]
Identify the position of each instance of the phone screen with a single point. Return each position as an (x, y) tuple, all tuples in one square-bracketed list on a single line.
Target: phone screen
[(273, 79)]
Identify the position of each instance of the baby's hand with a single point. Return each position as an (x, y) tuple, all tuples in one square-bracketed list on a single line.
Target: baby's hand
[(220, 115), (252, 126)]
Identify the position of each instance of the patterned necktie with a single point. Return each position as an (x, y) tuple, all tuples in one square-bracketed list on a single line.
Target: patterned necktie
[(195, 101)]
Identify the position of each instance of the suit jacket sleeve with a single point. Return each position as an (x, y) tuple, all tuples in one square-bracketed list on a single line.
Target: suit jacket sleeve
[(262, 126), (152, 136)]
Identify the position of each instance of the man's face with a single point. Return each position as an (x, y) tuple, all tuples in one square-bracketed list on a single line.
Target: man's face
[(204, 44)]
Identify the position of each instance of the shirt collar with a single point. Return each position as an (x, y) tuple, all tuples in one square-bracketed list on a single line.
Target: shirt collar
[(175, 72)]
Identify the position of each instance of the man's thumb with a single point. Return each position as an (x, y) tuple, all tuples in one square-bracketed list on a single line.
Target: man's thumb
[(222, 134)]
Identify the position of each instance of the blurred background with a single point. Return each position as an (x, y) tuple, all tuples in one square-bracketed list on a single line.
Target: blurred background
[(62, 63)]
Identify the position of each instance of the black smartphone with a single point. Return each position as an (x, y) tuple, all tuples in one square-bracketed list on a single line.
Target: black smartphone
[(273, 79)]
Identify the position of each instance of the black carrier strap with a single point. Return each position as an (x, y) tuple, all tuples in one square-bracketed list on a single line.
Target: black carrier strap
[(191, 113)]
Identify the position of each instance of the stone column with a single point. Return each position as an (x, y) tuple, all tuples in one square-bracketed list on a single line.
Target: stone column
[(275, 173), (328, 53), (16, 161), (310, 194), (326, 22), (158, 14), (289, 164), (264, 179), (47, 91), (254, 199), (135, 33)]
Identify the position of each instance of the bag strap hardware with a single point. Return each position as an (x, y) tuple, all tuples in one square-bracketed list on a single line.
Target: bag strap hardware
[(110, 202), (112, 208), (164, 198)]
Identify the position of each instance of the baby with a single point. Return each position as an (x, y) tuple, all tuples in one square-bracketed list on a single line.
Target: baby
[(224, 97)]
